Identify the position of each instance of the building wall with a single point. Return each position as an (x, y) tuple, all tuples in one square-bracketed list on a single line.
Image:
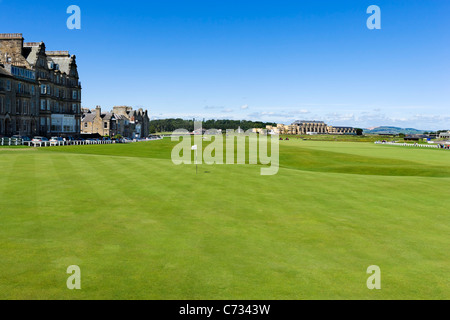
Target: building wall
[(310, 127), (11, 47), (18, 102), (95, 123), (123, 120), (56, 101), (341, 130)]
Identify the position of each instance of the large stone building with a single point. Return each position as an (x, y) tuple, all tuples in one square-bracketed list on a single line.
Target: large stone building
[(122, 120), (41, 90), (18, 101), (303, 127)]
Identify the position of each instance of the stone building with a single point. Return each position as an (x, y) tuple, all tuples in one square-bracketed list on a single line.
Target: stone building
[(139, 121), (18, 101), (341, 130), (47, 83), (122, 120), (445, 135), (303, 127)]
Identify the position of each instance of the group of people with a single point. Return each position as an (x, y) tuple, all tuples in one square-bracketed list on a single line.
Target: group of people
[(444, 146)]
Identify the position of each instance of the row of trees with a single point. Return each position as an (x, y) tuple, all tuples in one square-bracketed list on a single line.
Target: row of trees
[(436, 132), (169, 125)]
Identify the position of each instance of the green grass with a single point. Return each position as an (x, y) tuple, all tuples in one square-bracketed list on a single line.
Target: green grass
[(14, 147), (142, 228), (343, 138)]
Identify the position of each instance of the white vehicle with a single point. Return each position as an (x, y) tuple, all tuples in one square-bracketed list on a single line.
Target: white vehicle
[(39, 139), (56, 139)]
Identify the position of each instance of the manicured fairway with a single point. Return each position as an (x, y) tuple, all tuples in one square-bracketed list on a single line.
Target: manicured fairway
[(142, 228)]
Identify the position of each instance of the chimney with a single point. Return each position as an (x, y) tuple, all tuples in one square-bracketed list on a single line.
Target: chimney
[(11, 45), (98, 112)]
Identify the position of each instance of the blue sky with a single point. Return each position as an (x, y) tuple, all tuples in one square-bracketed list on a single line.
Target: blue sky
[(259, 60)]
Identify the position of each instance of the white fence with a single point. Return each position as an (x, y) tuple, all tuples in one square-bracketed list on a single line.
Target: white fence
[(10, 142), (20, 142), (417, 145), (40, 144)]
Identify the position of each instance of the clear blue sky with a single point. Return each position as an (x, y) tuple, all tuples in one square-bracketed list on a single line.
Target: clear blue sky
[(259, 60)]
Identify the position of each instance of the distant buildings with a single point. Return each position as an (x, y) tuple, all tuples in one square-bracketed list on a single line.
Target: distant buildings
[(445, 135), (303, 127), (122, 121), (40, 92)]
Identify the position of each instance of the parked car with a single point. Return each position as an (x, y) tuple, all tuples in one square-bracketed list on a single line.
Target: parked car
[(24, 138), (56, 139), (39, 139)]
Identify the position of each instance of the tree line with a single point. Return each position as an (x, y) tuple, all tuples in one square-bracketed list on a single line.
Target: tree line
[(170, 125)]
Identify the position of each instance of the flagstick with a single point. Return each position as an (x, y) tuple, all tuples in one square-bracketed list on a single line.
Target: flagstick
[(195, 148)]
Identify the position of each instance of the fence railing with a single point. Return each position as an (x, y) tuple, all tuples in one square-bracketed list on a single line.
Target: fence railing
[(21, 142), (11, 142), (41, 144), (416, 145)]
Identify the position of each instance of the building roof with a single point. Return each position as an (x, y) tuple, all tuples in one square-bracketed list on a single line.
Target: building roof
[(64, 62), (306, 121), (32, 55), (88, 117), (107, 116), (4, 72)]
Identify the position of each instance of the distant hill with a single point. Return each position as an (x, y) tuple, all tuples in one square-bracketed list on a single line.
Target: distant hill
[(392, 130)]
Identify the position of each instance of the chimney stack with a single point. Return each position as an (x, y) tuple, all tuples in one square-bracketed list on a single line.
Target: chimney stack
[(98, 112)]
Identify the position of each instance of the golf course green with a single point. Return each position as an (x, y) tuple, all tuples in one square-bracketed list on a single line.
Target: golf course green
[(140, 227)]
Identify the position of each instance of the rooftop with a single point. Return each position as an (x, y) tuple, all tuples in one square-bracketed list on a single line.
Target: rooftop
[(308, 121), (11, 36)]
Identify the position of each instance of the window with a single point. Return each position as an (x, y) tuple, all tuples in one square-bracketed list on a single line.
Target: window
[(43, 104), (8, 85), (105, 125), (85, 124)]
